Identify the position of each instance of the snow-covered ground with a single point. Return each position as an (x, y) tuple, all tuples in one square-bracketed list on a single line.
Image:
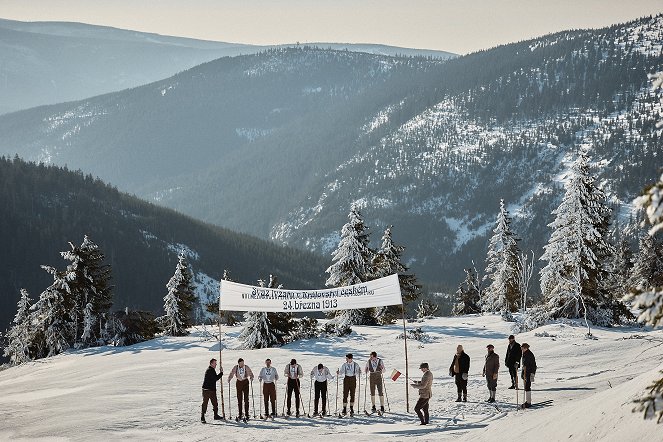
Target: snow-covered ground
[(152, 391)]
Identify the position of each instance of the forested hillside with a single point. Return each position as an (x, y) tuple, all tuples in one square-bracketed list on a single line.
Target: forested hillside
[(46, 207), (281, 143)]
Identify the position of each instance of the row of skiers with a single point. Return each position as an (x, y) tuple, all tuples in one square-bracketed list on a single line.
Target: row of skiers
[(460, 367), (320, 375)]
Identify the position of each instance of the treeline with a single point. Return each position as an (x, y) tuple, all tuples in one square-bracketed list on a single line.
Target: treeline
[(46, 207)]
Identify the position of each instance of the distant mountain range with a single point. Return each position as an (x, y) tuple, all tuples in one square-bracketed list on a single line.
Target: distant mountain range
[(279, 144), (45, 207), (54, 62)]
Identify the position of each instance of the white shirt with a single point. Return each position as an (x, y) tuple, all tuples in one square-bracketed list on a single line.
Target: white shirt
[(350, 369), (268, 375), (321, 375), (376, 365)]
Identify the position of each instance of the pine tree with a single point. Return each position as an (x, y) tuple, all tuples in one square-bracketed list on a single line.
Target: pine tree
[(351, 265), (179, 301), (621, 267), (648, 266), (468, 295), (51, 316), (503, 267), (89, 283), (281, 324), (426, 309), (19, 335), (577, 250), (387, 261), (256, 331)]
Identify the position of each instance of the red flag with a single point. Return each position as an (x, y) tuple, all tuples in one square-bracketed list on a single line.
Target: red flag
[(395, 374)]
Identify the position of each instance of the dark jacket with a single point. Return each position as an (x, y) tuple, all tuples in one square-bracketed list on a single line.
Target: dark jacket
[(492, 366), (513, 354), (210, 379), (529, 363), (463, 363)]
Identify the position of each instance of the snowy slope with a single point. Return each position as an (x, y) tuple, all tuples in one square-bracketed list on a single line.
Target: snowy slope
[(151, 391)]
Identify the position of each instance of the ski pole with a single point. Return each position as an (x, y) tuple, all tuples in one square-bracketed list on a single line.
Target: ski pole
[(366, 412), (223, 405), (253, 401), (359, 386), (310, 388), (336, 412), (326, 400), (517, 397), (298, 396), (384, 387), (230, 398), (260, 398), (525, 381), (283, 408)]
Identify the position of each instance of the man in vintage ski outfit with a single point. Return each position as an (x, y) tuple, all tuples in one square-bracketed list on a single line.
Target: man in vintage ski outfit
[(294, 373), (349, 370), (209, 390), (321, 375), (243, 374), (375, 367), (268, 376), (425, 392)]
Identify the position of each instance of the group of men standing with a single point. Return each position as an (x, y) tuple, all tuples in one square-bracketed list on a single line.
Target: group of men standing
[(460, 367), (350, 371)]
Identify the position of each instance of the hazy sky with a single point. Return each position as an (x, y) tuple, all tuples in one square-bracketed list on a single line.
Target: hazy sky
[(458, 26)]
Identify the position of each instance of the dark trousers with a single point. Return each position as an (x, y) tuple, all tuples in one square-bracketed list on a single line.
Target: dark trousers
[(422, 405), (243, 395), (320, 391), (210, 395), (349, 387), (513, 372), (293, 384), (461, 385), (269, 395)]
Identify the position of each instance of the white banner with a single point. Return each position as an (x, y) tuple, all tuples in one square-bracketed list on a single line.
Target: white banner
[(376, 293)]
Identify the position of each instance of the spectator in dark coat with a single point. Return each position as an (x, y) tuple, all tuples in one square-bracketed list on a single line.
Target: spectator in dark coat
[(529, 369), (490, 371), (209, 390), (460, 368), (512, 359)]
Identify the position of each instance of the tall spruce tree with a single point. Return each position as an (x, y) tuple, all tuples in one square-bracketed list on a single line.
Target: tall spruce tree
[(281, 324), (468, 295), (577, 250), (257, 331), (647, 268), (351, 265), (179, 301), (55, 329), (387, 261), (502, 267), (19, 335), (89, 283)]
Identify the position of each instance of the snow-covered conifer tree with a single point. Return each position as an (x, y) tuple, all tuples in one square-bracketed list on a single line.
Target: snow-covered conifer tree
[(502, 267), (649, 299), (577, 250), (179, 301), (468, 295), (89, 319), (281, 324), (351, 265), (51, 316), (257, 330), (648, 265), (18, 337), (89, 283), (387, 261), (426, 309)]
